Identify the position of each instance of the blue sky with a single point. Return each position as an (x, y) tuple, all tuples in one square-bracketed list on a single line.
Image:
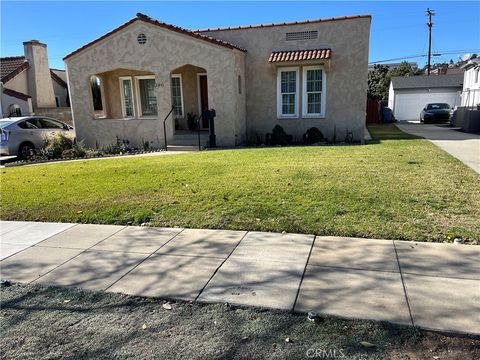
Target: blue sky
[(398, 28)]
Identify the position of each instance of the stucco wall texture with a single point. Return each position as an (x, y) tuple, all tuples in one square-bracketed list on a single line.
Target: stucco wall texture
[(18, 83), (346, 78), (242, 87), (61, 92), (163, 52), (38, 74)]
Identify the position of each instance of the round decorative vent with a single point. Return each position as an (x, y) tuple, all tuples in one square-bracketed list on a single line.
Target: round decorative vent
[(142, 39)]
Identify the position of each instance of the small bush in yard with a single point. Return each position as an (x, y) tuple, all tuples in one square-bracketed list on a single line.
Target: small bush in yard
[(55, 146), (313, 136), (79, 150), (279, 136)]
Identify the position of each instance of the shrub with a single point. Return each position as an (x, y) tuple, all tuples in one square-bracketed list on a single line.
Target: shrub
[(55, 146), (112, 149), (349, 137), (313, 136), (145, 145), (79, 150), (279, 136)]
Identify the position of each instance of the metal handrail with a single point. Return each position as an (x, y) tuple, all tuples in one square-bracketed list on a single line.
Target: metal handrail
[(164, 128), (198, 132)]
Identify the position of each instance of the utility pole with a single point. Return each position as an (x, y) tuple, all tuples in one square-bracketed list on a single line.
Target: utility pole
[(429, 13)]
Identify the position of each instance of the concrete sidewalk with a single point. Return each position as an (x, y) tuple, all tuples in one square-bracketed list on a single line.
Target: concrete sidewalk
[(435, 286), (464, 146)]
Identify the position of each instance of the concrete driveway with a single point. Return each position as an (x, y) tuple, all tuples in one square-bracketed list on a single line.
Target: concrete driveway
[(464, 146)]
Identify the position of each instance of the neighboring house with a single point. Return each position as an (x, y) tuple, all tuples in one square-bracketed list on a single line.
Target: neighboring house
[(408, 95), (446, 70), (392, 66), (467, 115), (297, 75), (471, 84), (60, 87), (29, 86)]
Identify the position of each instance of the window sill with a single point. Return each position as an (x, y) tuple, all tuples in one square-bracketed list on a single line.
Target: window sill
[(313, 116), (286, 117), (147, 118), (126, 119)]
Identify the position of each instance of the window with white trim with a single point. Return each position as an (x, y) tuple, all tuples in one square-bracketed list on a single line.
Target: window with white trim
[(146, 96), (177, 95), (126, 95), (287, 92), (313, 95)]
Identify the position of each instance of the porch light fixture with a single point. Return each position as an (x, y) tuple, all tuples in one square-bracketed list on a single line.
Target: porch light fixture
[(142, 39)]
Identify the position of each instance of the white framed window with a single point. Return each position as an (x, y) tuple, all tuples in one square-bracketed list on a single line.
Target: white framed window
[(177, 95), (313, 94), (287, 92), (146, 96), (126, 96)]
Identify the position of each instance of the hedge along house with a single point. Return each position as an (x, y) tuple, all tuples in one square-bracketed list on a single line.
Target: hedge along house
[(297, 75)]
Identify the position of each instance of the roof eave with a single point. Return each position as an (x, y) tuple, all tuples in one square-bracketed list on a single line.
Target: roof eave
[(428, 87), (15, 72), (148, 20)]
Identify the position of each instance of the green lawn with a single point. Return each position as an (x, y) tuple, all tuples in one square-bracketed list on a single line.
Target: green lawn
[(396, 187)]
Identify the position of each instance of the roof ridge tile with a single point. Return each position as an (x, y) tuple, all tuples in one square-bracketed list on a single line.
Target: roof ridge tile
[(301, 22)]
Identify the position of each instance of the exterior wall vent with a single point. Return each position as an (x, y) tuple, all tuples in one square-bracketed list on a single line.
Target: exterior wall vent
[(142, 39), (302, 35)]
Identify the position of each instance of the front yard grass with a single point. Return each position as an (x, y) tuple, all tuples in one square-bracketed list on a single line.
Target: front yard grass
[(396, 187)]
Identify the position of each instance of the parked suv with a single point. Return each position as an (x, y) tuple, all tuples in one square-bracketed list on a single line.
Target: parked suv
[(23, 136)]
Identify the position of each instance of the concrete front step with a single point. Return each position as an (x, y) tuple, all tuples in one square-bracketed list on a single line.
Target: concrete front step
[(188, 139)]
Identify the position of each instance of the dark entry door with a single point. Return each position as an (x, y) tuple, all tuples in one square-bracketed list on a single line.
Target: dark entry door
[(203, 98)]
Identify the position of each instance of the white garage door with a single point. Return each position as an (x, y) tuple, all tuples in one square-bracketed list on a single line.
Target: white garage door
[(409, 104)]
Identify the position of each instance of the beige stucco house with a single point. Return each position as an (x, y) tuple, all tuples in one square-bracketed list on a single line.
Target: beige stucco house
[(297, 75), (29, 86)]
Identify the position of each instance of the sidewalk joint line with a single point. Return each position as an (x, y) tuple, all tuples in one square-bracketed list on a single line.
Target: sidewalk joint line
[(347, 268), (303, 274), (219, 266), (142, 261), (403, 284), (74, 257)]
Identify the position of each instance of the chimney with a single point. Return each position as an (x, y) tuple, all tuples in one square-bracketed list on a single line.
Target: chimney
[(39, 78)]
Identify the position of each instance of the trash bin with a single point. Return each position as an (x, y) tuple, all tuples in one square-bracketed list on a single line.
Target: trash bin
[(387, 115)]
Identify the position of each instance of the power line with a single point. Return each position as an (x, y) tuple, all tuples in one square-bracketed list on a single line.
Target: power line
[(439, 53)]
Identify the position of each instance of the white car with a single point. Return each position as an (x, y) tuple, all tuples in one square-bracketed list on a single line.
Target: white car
[(24, 136)]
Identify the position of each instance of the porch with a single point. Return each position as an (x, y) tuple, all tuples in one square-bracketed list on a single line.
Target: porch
[(132, 95)]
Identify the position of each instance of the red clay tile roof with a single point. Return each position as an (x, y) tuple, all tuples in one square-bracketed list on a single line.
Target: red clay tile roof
[(57, 78), (16, 94), (11, 67), (287, 23), (300, 55), (147, 19)]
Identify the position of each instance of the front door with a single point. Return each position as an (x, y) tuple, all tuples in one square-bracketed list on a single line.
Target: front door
[(203, 86)]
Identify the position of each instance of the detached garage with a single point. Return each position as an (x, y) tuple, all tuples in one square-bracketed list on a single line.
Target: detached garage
[(408, 95)]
